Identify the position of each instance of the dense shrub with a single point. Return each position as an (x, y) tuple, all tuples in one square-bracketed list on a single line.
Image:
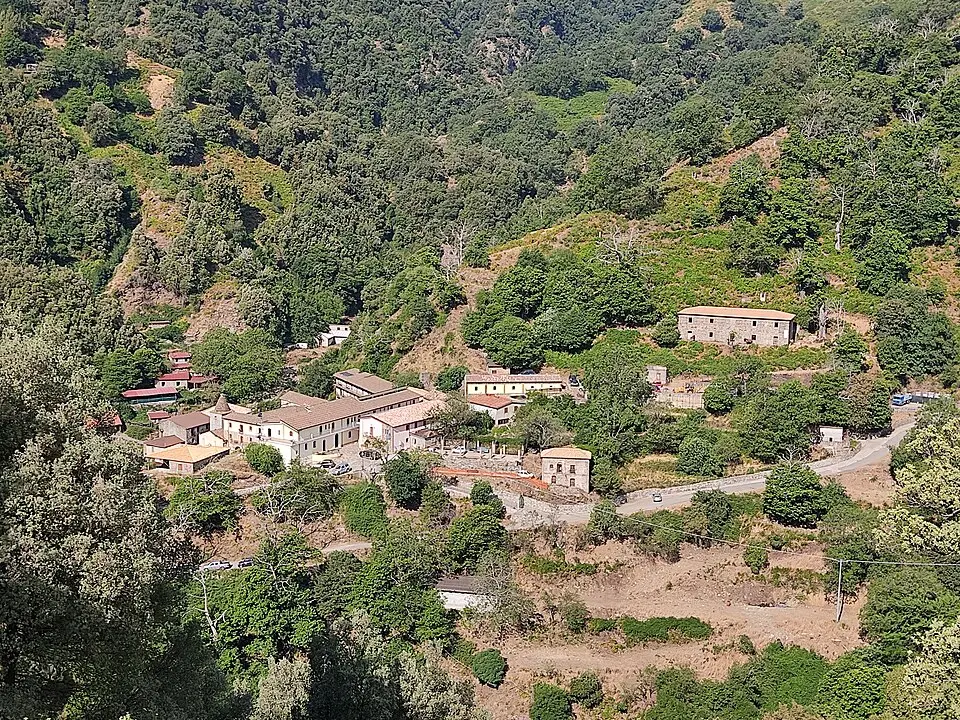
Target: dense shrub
[(599, 625), (795, 496), (586, 690), (490, 667), (574, 613), (663, 629), (757, 559), (364, 510), (550, 703)]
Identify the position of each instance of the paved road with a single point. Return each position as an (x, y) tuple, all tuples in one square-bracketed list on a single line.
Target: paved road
[(871, 452)]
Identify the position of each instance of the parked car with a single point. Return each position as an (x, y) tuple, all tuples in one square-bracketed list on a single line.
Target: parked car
[(245, 563), (368, 454), (657, 497), (524, 473), (326, 464), (528, 372), (341, 469), (458, 451), (215, 565), (574, 381), (899, 399)]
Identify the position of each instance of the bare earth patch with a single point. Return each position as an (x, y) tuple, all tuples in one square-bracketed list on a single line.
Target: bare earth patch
[(218, 309), (159, 89), (713, 585)]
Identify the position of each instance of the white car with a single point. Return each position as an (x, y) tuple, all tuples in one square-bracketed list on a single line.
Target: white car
[(459, 451), (524, 473), (341, 469), (657, 497), (215, 565)]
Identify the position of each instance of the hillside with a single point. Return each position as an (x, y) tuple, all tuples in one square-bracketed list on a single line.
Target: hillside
[(543, 186)]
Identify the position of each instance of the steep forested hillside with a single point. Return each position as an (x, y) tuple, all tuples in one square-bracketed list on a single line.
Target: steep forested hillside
[(311, 160)]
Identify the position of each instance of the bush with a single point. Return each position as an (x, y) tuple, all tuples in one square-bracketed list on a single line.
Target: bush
[(745, 645), (406, 478), (697, 457), (794, 496), (482, 494), (586, 690), (364, 510), (463, 651), (663, 629), (474, 534), (264, 458), (574, 613), (451, 378), (490, 667), (757, 559), (665, 334), (599, 625), (550, 703)]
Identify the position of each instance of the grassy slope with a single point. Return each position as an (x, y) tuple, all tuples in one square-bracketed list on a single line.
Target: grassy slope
[(589, 105)]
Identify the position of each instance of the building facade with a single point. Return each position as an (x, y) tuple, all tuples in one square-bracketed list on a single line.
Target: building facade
[(511, 385), (187, 427), (567, 467), (403, 428), (305, 426), (358, 384), (500, 408), (736, 326)]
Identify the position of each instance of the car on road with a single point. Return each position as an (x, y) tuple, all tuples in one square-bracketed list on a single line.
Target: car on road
[(524, 473), (899, 400), (657, 497), (245, 563), (341, 469), (215, 565)]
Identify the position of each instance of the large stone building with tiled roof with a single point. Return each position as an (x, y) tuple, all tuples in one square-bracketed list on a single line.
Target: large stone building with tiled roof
[(736, 326)]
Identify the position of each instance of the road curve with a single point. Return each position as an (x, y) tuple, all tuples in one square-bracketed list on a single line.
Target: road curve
[(871, 452)]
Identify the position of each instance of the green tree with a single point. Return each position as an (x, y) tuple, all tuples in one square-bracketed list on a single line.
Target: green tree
[(745, 194), (476, 533), (435, 506), (849, 352), (666, 334), (406, 477), (885, 261), (752, 250), (481, 494), (450, 379), (175, 137), (927, 685), (299, 495), (901, 606), (794, 496), (512, 343), (778, 423), (853, 688), (316, 379), (697, 457), (205, 504), (264, 459), (364, 510), (490, 667)]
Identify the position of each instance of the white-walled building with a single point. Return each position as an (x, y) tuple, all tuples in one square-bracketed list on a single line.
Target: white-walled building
[(305, 425), (358, 384), (401, 428), (500, 408), (511, 385), (336, 334)]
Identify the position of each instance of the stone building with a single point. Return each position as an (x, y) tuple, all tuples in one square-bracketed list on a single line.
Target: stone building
[(566, 466), (736, 326)]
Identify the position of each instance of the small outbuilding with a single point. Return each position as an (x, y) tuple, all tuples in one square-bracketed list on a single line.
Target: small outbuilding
[(459, 592), (188, 459), (830, 435), (566, 466)]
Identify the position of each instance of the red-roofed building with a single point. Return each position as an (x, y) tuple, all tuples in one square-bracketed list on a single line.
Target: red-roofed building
[(151, 396), (183, 379), (500, 408), (157, 415), (179, 359)]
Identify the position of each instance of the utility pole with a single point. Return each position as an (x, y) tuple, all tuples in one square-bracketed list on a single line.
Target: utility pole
[(839, 590)]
